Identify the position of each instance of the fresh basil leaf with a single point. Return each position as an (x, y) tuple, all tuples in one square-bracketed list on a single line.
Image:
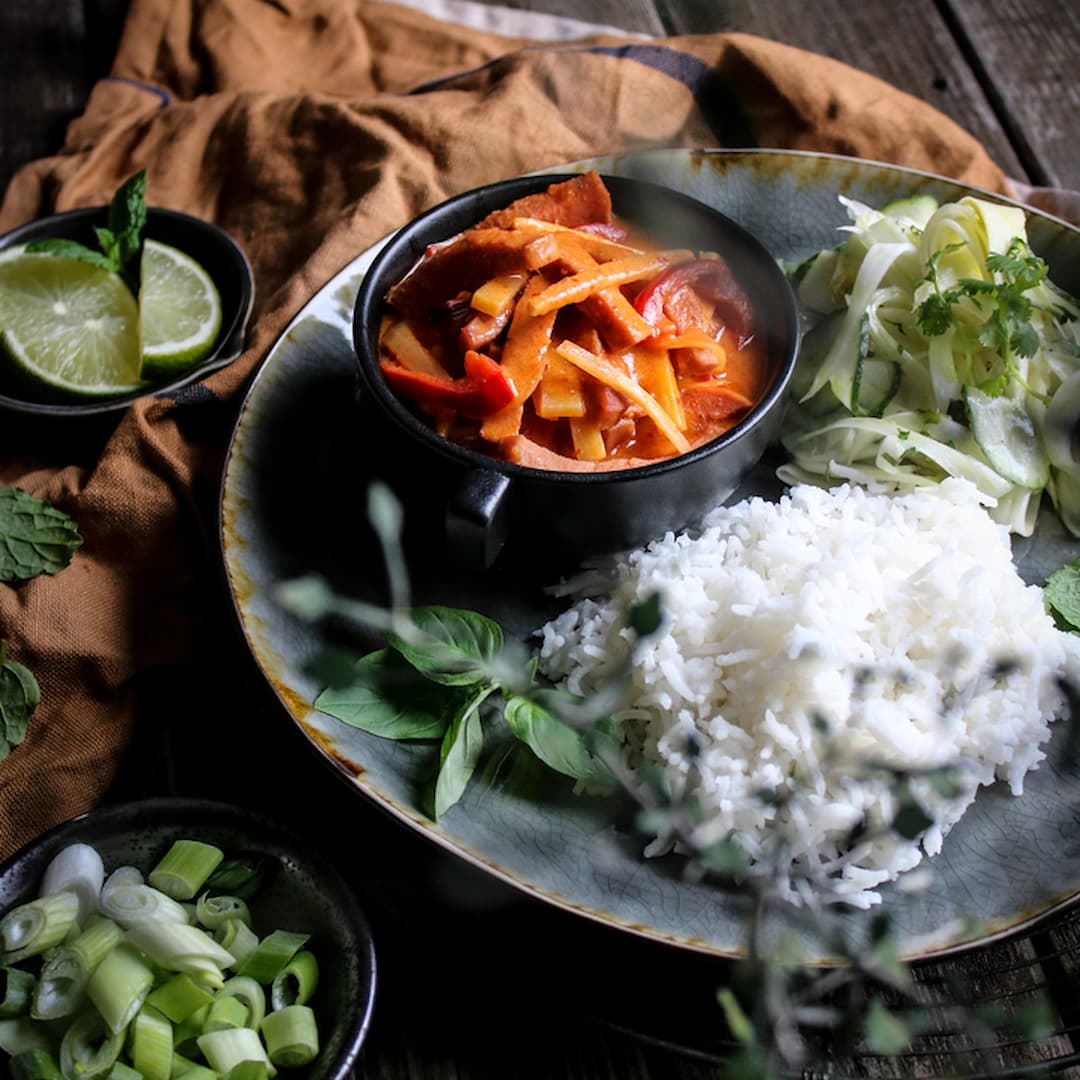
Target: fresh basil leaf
[(386, 698), (460, 752), (1062, 594), (456, 646), (72, 249), (19, 697), (555, 743), (35, 538)]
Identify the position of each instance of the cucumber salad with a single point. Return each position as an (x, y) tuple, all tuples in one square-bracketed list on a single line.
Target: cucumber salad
[(937, 346)]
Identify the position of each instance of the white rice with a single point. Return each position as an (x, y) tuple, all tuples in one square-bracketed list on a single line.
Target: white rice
[(884, 615)]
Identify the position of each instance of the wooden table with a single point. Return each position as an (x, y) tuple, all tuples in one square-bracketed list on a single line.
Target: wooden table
[(476, 981)]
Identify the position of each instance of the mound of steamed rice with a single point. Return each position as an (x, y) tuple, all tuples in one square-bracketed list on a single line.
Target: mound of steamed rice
[(807, 639)]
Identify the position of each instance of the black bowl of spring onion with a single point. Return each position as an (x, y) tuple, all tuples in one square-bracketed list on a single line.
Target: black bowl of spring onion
[(179, 937)]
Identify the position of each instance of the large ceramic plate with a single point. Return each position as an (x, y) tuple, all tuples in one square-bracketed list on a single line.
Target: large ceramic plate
[(293, 502)]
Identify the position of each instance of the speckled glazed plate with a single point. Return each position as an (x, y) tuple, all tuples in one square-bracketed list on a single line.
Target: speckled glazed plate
[(293, 501)]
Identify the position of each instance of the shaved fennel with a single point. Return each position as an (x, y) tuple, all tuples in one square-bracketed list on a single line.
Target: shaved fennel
[(938, 347)]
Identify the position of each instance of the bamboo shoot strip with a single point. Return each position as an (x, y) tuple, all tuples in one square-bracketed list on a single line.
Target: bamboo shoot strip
[(599, 246), (523, 361), (579, 286), (601, 368)]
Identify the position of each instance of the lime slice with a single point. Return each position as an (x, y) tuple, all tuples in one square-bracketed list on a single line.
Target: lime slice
[(179, 311), (67, 328)]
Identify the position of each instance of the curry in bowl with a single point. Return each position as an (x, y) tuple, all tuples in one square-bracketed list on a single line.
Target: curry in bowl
[(554, 335)]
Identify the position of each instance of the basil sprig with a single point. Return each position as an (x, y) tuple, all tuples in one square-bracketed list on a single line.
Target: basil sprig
[(1062, 595), (445, 679), (35, 538)]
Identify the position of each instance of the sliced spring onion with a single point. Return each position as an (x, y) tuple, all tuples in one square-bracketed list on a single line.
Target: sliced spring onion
[(238, 938), (77, 868), (189, 1030), (249, 1070), (89, 1047), (61, 985), (179, 947), (291, 1035), (179, 997), (132, 903), (16, 988), (20, 1033), (296, 982), (119, 986), (226, 1011), (122, 1071), (246, 989), (152, 1044), (193, 1070), (32, 928), (224, 1050), (35, 1065), (184, 869), (240, 876), (212, 911), (274, 952)]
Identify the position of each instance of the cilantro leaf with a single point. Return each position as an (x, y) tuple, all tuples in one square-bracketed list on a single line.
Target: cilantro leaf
[(35, 538), (19, 697)]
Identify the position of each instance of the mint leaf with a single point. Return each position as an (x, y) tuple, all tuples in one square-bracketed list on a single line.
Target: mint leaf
[(35, 538), (72, 249), (1062, 595), (454, 646), (121, 242), (19, 697), (386, 698)]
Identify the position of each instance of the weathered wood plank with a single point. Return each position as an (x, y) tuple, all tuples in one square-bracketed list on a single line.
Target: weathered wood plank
[(914, 51), (1026, 53), (45, 79)]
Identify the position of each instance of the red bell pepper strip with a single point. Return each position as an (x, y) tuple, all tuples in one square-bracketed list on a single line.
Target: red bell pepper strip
[(483, 389), (711, 279)]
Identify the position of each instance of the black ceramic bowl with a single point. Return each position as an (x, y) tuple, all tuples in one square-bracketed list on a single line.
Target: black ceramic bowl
[(489, 509), (302, 893), (212, 247)]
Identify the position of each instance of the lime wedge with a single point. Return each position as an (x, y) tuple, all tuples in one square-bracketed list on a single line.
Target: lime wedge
[(66, 327), (179, 311)]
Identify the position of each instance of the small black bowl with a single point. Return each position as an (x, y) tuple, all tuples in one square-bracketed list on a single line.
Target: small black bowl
[(302, 893), (488, 509), (210, 246)]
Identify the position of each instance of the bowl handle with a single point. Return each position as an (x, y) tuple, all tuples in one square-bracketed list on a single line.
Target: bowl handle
[(476, 518)]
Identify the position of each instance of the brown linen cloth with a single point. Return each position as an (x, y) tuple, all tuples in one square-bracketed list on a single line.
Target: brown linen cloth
[(309, 129)]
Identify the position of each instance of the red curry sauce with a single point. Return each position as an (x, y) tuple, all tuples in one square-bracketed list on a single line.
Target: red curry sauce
[(553, 336)]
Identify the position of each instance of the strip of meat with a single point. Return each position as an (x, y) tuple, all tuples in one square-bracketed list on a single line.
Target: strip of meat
[(464, 264), (523, 451), (582, 200)]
